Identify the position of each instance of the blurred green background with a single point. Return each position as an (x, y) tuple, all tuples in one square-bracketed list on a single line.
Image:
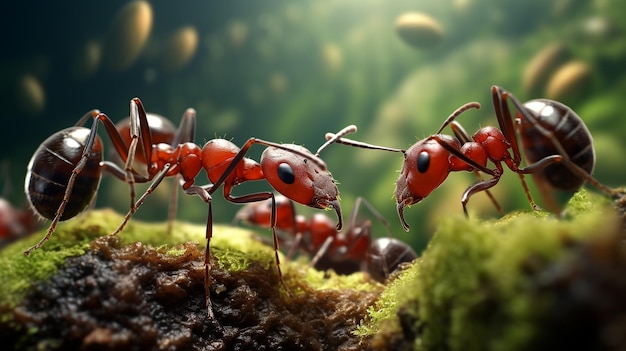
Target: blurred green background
[(289, 71)]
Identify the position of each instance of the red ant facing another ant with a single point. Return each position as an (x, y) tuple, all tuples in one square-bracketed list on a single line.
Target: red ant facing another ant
[(65, 171), (346, 252), (556, 142)]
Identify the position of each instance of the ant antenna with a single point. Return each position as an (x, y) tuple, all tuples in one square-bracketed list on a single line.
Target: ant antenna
[(335, 137), (457, 112), (338, 139)]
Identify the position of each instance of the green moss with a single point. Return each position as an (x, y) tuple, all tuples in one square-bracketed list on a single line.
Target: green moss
[(471, 290), (234, 248)]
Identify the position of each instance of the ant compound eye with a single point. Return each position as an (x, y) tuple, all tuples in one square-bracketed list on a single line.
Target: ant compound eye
[(285, 173), (423, 161)]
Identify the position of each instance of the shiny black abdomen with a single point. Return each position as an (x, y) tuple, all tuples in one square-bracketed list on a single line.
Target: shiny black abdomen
[(51, 166), (554, 118)]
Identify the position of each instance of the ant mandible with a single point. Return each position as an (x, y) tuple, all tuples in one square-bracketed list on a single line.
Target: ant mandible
[(290, 169), (64, 173), (556, 142), (347, 252)]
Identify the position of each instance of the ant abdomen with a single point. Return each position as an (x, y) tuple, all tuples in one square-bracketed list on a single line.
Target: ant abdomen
[(571, 134), (385, 255), (51, 166)]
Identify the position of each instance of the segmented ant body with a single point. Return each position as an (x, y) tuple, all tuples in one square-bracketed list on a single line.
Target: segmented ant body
[(345, 252), (556, 142), (65, 171)]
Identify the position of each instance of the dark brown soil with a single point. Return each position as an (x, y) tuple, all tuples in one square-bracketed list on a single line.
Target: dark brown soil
[(140, 298)]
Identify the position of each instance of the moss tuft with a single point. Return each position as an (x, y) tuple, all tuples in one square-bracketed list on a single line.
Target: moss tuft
[(477, 284), (103, 288)]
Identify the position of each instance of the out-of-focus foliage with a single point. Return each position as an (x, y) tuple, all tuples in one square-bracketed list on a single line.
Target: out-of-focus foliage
[(289, 71)]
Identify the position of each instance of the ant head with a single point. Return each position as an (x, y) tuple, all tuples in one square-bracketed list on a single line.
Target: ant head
[(426, 165), (300, 179)]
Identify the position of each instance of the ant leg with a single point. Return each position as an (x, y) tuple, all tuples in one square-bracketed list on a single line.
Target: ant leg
[(501, 95), (321, 252), (535, 167), (173, 205), (244, 149), (499, 98), (136, 110), (156, 181), (463, 137), (357, 205), (206, 197), (186, 133), (70, 183), (482, 185), (186, 129), (566, 160), (478, 187), (262, 197), (297, 238)]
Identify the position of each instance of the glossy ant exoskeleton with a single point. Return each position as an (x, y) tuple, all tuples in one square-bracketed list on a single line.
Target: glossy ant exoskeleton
[(556, 142), (345, 252), (290, 169), (65, 171)]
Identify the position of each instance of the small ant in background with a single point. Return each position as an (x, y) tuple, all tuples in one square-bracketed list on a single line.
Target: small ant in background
[(345, 252), (14, 223), (557, 145), (65, 171)]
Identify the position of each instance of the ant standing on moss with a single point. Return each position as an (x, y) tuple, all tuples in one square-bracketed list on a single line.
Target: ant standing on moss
[(556, 142), (65, 171)]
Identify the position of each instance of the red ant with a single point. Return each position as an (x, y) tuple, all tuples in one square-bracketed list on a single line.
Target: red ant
[(64, 173), (556, 142), (346, 252)]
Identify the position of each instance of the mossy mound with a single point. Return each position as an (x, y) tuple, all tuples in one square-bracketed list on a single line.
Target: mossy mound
[(84, 290), (529, 281)]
